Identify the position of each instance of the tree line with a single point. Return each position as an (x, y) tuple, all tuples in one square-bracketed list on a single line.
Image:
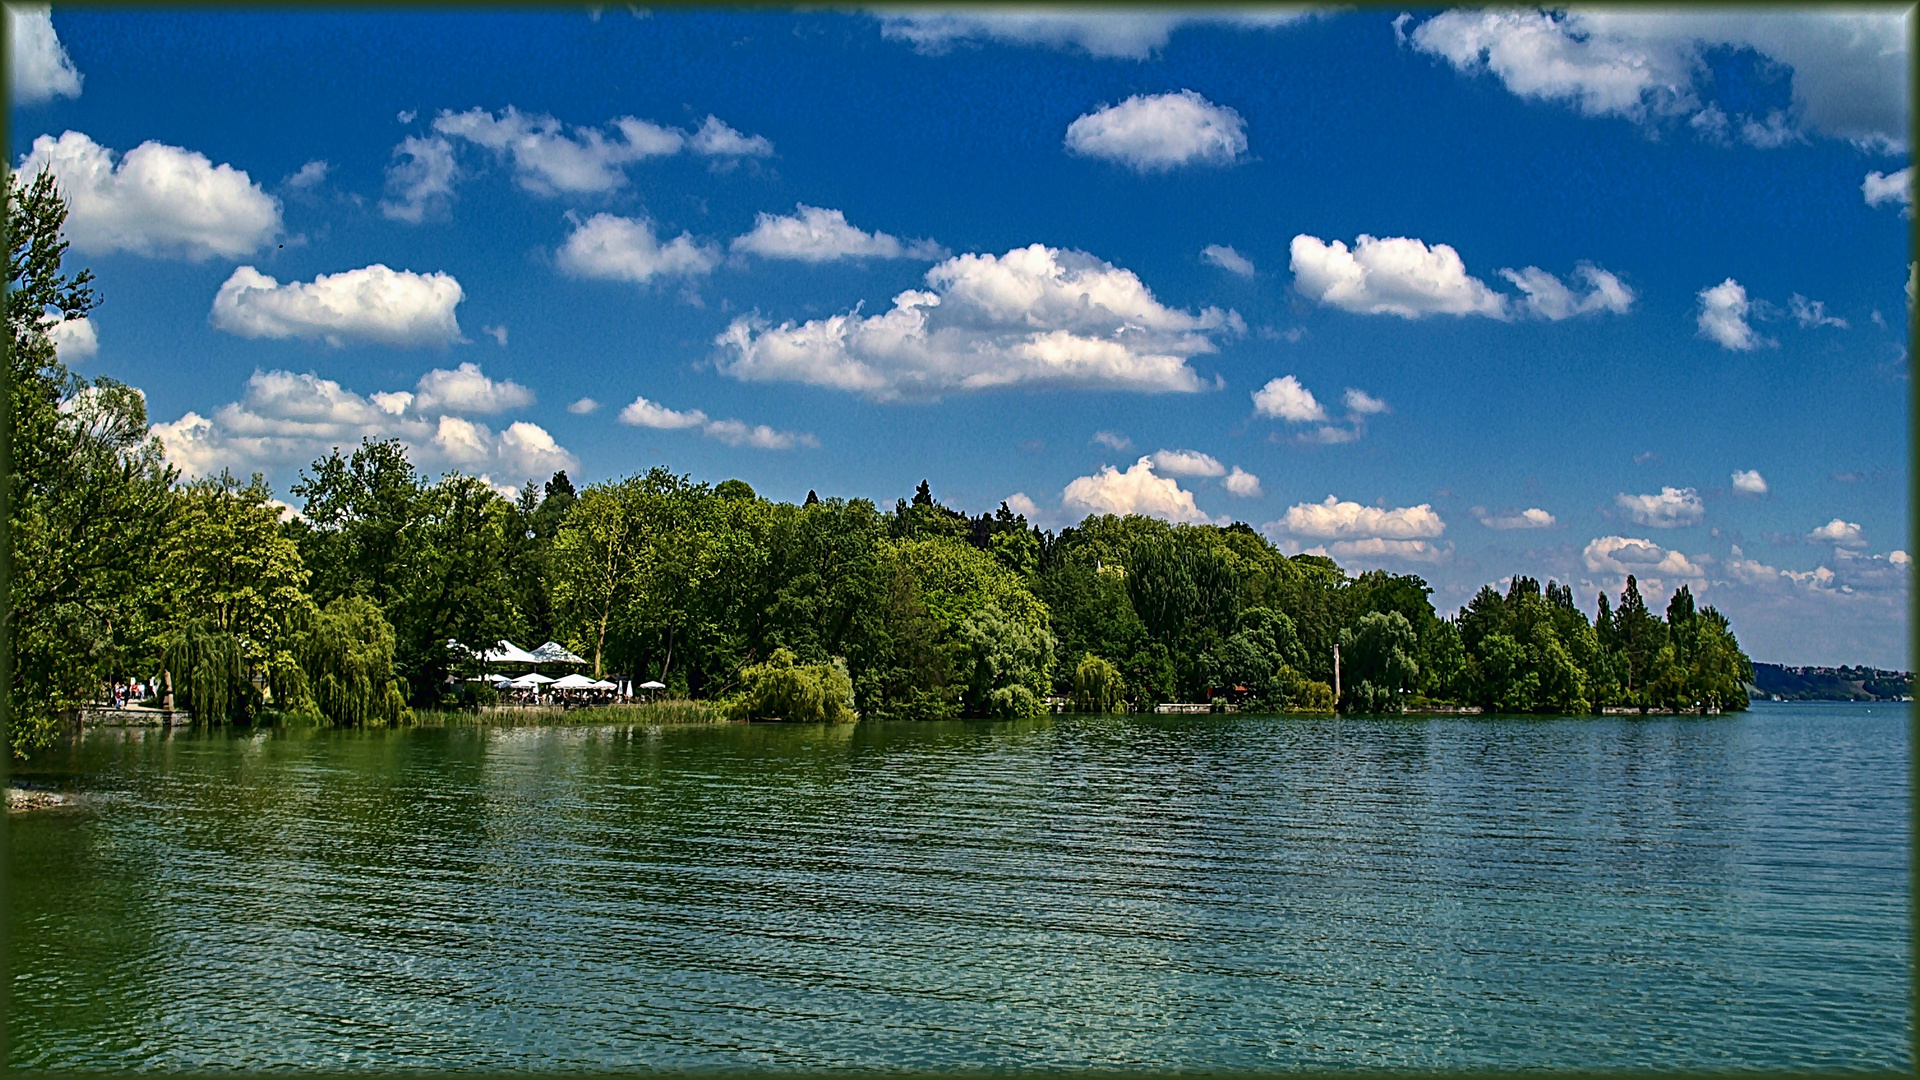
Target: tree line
[(350, 610)]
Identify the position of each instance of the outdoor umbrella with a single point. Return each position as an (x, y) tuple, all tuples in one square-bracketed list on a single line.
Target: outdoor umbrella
[(552, 653), (530, 679), (574, 682), (651, 685)]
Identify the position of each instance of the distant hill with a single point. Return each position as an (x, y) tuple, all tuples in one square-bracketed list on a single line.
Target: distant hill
[(1809, 683)]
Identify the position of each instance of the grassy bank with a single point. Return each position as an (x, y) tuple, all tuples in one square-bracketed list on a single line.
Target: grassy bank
[(646, 712)]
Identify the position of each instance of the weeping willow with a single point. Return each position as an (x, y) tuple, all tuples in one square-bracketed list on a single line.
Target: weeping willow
[(781, 689), (209, 672), (1097, 686), (345, 660)]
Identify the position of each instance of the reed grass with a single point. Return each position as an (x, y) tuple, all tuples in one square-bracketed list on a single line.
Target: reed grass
[(678, 711)]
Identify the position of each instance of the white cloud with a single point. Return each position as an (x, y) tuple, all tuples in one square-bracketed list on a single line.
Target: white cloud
[(1361, 403), (1626, 555), (1337, 520), (1021, 504), (1285, 399), (1136, 491), (1549, 298), (1531, 518), (758, 436), (1393, 276), (527, 450), (158, 200), (548, 161), (1112, 440), (716, 139), (1242, 483), (1187, 463), (1034, 316), (74, 340), (1812, 314), (420, 180), (1749, 482), (1374, 547), (1723, 317), (626, 249), (467, 390), (1227, 259), (372, 304), (1672, 508), (288, 419), (1849, 67), (652, 414), (1125, 33), (497, 333), (40, 65), (584, 406), (815, 235), (311, 175), (1840, 534), (552, 158), (1880, 188), (1161, 132)]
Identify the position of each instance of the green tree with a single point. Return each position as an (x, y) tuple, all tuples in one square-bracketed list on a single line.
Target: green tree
[(783, 689), (1379, 654), (88, 493), (1098, 686), (346, 658)]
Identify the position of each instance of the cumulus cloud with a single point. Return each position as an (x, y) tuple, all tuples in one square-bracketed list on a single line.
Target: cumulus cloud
[(1626, 555), (288, 419), (815, 235), (1723, 317), (467, 390), (1156, 133), (1849, 67), (584, 406), (716, 139), (1840, 534), (1531, 518), (1120, 34), (652, 414), (1374, 547), (1242, 483), (420, 180), (1334, 519), (1549, 298), (373, 304), (41, 68), (1136, 491), (627, 249), (1879, 187), (1811, 314), (1020, 503), (1393, 276), (158, 200), (1672, 508), (1112, 440), (1361, 403), (1749, 482), (310, 175), (1285, 399), (1033, 316), (1227, 259), (74, 340), (552, 158), (1187, 463)]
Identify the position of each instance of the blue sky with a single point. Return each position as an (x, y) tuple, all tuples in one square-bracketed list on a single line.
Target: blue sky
[(1455, 293)]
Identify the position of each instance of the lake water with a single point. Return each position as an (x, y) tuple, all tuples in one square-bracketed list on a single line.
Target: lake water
[(1109, 892)]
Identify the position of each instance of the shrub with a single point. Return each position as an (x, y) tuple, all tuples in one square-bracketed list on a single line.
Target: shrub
[(781, 689)]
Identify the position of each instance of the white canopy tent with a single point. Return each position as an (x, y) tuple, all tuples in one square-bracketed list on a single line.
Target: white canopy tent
[(553, 653), (506, 652)]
